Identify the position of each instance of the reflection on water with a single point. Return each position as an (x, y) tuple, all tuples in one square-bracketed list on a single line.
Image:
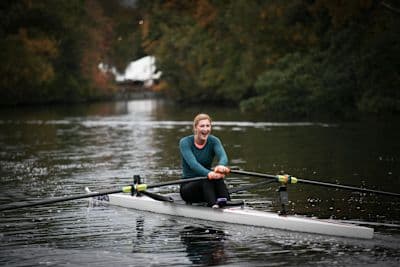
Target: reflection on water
[(139, 228), (57, 151), (204, 246)]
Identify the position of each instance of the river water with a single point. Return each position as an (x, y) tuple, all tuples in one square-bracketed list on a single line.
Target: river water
[(57, 151)]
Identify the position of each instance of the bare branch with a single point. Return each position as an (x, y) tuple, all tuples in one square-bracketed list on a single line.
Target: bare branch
[(390, 7)]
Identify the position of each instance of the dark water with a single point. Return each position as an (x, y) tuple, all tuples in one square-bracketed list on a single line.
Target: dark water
[(57, 151)]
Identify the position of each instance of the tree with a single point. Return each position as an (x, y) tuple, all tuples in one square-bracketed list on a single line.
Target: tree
[(50, 50)]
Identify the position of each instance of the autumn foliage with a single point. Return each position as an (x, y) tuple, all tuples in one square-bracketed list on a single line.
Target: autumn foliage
[(50, 50), (296, 57)]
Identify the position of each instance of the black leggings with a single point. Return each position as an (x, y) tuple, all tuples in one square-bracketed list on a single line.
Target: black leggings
[(204, 191)]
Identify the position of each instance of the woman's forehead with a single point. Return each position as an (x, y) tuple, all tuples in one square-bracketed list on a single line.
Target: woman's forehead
[(204, 121)]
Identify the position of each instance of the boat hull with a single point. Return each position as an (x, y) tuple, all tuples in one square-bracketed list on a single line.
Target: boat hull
[(240, 215)]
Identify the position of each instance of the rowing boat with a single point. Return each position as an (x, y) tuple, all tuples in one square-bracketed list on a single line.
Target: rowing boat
[(236, 215)]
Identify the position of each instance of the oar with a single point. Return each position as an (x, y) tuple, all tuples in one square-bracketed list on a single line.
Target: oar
[(290, 179), (125, 189)]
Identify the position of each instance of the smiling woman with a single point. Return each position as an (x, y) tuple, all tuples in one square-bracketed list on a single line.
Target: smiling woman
[(198, 152)]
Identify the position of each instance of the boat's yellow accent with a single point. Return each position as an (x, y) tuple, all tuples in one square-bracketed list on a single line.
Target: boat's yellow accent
[(141, 187), (285, 179), (127, 189)]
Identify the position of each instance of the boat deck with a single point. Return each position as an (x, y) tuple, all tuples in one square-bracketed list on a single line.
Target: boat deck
[(239, 215)]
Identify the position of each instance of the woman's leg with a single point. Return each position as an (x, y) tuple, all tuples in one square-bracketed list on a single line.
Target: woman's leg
[(204, 191), (221, 190), (192, 192), (214, 189), (209, 192)]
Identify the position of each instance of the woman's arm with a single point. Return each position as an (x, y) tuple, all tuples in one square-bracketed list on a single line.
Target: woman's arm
[(222, 158), (220, 152)]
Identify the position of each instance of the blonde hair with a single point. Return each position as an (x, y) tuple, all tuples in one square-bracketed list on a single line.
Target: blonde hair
[(199, 117)]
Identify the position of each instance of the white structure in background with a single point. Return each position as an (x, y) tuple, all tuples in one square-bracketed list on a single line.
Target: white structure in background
[(142, 70)]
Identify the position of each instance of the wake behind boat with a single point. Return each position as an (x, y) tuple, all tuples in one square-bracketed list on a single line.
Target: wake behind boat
[(235, 215)]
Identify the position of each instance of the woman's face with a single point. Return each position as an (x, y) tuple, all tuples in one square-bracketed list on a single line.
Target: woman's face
[(203, 129)]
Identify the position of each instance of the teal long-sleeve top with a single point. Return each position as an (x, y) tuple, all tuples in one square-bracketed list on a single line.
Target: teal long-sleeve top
[(197, 162)]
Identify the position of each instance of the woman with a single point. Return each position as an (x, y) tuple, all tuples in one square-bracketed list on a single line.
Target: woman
[(198, 152)]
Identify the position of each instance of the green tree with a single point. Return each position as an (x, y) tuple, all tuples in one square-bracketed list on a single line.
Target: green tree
[(312, 56), (50, 50)]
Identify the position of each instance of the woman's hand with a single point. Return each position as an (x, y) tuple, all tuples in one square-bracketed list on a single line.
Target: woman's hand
[(215, 175), (222, 169)]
